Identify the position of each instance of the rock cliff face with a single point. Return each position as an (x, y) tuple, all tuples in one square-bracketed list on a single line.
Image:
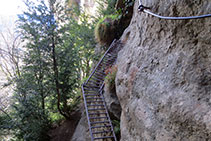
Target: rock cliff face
[(164, 74), (82, 130), (112, 103)]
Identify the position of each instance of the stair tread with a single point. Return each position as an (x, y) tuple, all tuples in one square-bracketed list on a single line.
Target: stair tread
[(100, 126), (96, 79), (94, 82), (106, 137), (91, 92), (93, 109), (97, 122), (110, 59), (99, 132), (100, 101), (109, 55), (92, 95), (94, 98), (102, 75), (95, 105), (97, 117), (97, 113), (87, 86)]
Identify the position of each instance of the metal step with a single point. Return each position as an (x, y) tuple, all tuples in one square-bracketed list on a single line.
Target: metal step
[(87, 87), (106, 64), (93, 98), (91, 91), (100, 101), (94, 82), (98, 117), (95, 105), (102, 126), (95, 85), (101, 74), (110, 54), (97, 113), (100, 132), (106, 137), (96, 109), (100, 71), (92, 94), (98, 77), (110, 59), (99, 122), (95, 79)]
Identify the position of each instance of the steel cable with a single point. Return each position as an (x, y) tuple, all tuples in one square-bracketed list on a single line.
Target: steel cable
[(144, 9)]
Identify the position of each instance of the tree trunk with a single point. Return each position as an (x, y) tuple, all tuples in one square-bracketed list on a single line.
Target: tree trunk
[(56, 79)]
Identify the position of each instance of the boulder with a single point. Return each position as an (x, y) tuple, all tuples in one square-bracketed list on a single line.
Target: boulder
[(82, 130), (112, 103)]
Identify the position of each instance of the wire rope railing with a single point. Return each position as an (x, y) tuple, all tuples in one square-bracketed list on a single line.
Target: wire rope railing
[(145, 9)]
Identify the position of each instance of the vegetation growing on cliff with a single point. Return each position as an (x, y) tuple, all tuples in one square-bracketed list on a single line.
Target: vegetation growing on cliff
[(110, 77), (113, 20), (105, 30)]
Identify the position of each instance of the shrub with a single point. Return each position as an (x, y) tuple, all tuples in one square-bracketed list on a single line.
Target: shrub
[(110, 78), (117, 129), (106, 7), (105, 31)]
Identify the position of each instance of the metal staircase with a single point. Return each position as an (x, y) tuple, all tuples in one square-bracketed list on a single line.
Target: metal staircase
[(99, 122)]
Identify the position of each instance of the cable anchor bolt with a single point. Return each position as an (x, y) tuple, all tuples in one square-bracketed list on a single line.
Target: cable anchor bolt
[(141, 8)]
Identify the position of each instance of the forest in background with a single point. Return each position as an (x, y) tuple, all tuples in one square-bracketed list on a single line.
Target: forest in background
[(57, 51)]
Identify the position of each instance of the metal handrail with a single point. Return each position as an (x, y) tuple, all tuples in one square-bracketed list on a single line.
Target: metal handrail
[(109, 119), (111, 46), (87, 115), (100, 85)]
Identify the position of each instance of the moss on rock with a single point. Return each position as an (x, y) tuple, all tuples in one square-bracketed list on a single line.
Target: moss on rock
[(105, 31)]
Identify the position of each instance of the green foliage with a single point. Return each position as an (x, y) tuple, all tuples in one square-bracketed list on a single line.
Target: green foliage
[(110, 77), (105, 30), (59, 52), (82, 37), (116, 124), (30, 117), (115, 18), (58, 55), (107, 22), (109, 9), (55, 117), (4, 126)]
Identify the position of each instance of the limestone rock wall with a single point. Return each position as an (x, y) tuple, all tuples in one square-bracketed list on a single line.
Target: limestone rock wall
[(82, 130), (112, 103), (164, 74), (114, 108)]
